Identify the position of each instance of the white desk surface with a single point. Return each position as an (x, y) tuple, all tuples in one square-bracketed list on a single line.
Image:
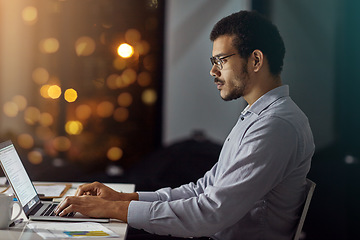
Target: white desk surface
[(21, 232)]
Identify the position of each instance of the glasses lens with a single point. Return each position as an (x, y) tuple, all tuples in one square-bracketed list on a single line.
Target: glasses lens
[(216, 61)]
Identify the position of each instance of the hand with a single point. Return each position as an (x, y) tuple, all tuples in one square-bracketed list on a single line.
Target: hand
[(103, 191), (94, 206)]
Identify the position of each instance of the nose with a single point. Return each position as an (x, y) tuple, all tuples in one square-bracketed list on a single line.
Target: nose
[(214, 71)]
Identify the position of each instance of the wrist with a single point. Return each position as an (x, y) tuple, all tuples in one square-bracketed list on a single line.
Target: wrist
[(128, 197), (119, 210)]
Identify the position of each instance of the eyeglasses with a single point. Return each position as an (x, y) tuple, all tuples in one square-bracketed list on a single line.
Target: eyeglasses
[(218, 61)]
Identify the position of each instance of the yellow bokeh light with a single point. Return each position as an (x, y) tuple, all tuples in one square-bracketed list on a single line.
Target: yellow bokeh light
[(85, 46), (20, 101), (73, 127), (35, 157), (62, 143), (25, 141), (83, 111), (70, 95), (40, 75), (115, 153), (46, 119), (121, 114), (44, 91), (132, 36), (125, 99), (32, 115), (125, 50), (11, 109), (105, 109), (30, 15), (49, 45), (149, 97), (54, 91)]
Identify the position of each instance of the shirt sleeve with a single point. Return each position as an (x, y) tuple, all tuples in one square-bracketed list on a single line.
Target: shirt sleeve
[(260, 160)]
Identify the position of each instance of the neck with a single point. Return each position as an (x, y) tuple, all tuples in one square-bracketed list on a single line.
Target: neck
[(263, 86)]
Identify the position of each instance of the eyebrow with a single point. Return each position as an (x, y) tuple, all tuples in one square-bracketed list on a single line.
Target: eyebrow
[(219, 55)]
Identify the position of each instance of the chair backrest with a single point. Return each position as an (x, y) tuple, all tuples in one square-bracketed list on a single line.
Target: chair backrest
[(310, 190)]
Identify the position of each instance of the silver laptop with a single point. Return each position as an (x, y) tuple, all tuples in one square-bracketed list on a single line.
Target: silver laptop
[(26, 193)]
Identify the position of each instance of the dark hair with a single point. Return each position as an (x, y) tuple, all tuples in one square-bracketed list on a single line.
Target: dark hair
[(253, 31)]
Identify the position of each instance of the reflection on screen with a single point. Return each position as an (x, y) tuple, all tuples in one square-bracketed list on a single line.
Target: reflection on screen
[(17, 175)]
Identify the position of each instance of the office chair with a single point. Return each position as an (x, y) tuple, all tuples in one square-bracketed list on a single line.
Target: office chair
[(310, 187)]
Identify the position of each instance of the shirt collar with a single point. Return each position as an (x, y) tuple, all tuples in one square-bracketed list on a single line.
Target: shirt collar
[(268, 98)]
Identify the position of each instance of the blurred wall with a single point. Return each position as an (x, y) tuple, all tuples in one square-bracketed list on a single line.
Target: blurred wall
[(309, 29), (191, 100)]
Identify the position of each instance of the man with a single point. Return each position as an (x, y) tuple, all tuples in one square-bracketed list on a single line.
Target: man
[(257, 187)]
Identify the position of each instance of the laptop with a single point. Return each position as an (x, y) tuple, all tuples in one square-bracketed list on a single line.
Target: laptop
[(25, 191)]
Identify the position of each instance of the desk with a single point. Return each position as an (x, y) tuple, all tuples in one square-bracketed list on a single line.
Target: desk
[(21, 232)]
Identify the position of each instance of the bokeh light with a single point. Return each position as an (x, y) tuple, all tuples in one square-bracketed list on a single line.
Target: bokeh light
[(83, 112), (44, 91), (132, 36), (73, 127), (149, 96), (35, 157), (54, 91), (10, 109), (70, 95), (105, 109), (129, 76), (46, 119), (121, 114), (142, 47), (32, 115), (125, 99), (111, 81), (30, 15), (144, 79), (85, 46), (115, 153), (125, 50), (61, 143), (25, 141), (40, 75), (119, 63), (20, 101), (49, 45)]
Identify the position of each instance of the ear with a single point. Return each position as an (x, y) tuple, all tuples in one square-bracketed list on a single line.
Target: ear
[(257, 60)]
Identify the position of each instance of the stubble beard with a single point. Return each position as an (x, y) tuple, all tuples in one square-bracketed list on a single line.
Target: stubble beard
[(238, 90)]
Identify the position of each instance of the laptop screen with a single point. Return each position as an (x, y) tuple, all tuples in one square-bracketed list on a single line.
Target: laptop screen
[(17, 176)]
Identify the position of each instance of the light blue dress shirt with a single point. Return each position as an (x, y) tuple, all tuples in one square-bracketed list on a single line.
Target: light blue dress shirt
[(254, 191)]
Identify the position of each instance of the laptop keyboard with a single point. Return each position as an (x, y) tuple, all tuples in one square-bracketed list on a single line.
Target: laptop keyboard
[(49, 211)]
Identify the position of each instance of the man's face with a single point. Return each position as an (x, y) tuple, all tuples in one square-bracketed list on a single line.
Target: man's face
[(233, 78)]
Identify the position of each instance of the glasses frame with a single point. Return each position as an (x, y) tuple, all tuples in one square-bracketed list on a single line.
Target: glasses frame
[(218, 61)]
